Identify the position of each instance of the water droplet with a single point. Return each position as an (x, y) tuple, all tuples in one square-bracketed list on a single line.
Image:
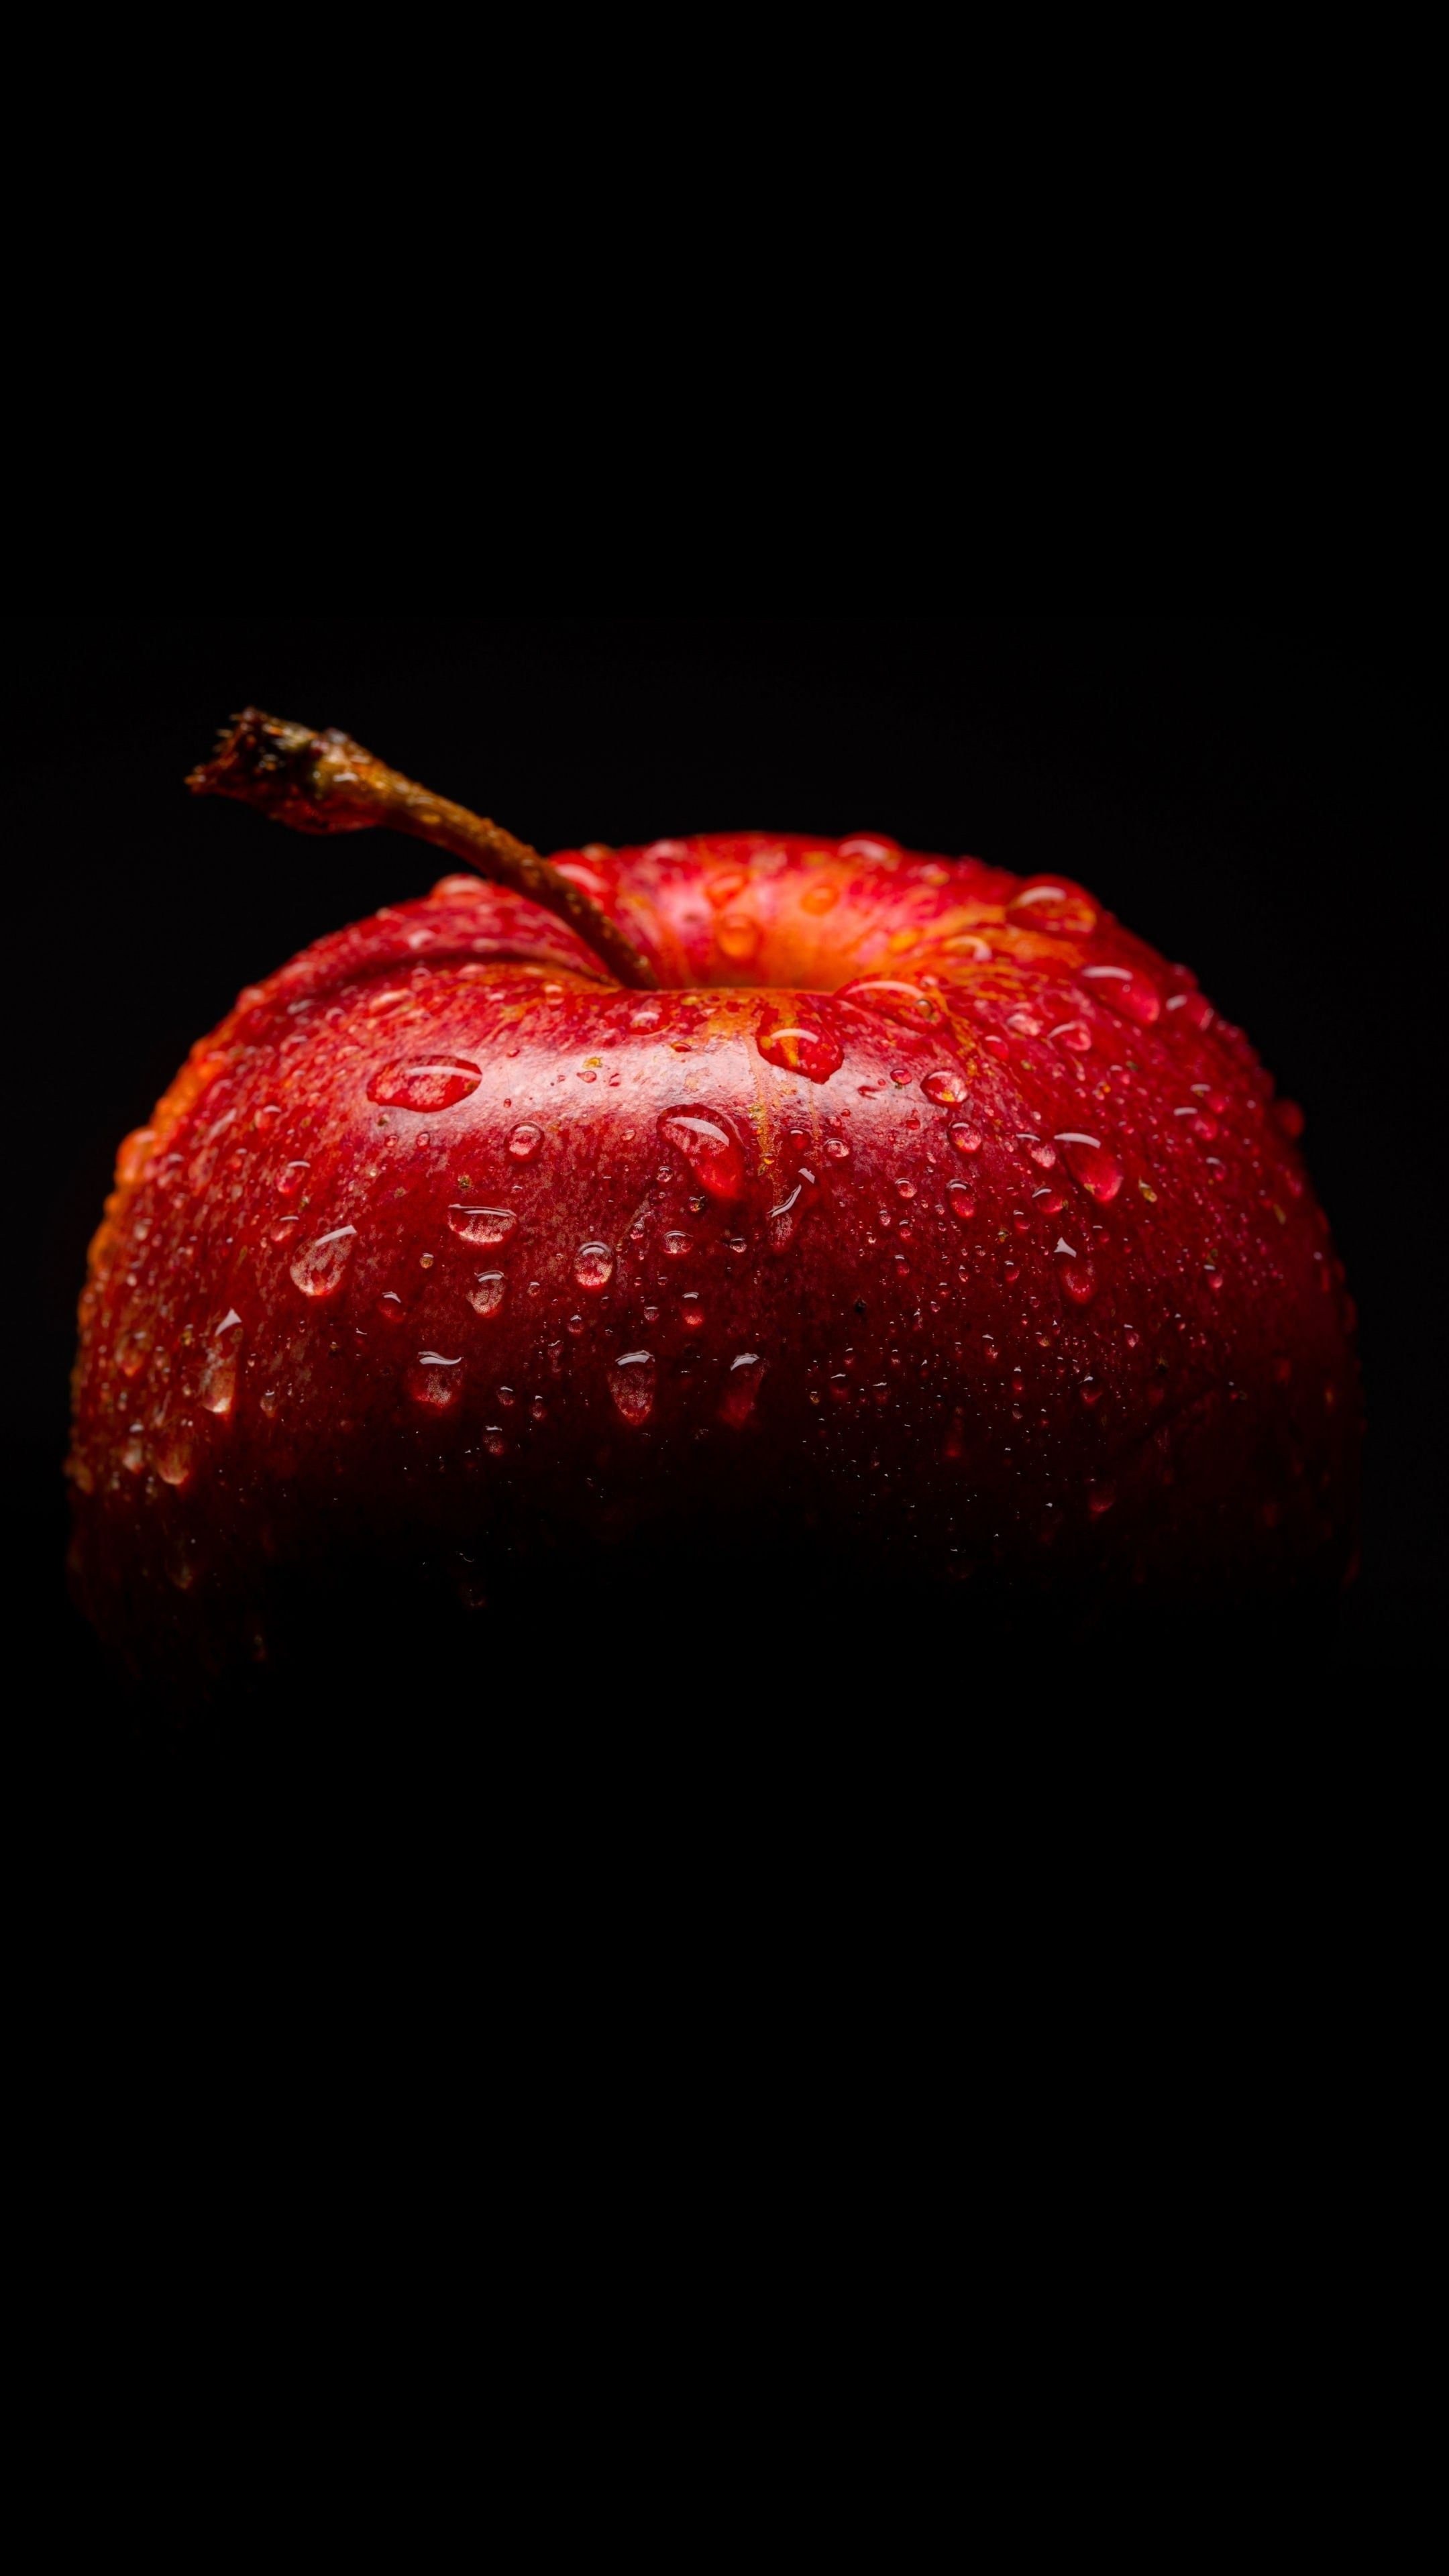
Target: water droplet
[(1064, 910), (428, 1083), (966, 1140), (631, 1384), (709, 1149), (741, 1386), (493, 1441), (906, 1004), (435, 1380), (781, 1221), (1124, 991), (1042, 1154), (647, 1016), (481, 1225), (676, 1246), (837, 1149), (320, 1269), (487, 1292), (946, 1089), (593, 1266), (1289, 1117), (1100, 1499), (391, 1308), (905, 1189), (218, 1375), (290, 1179), (1089, 1161), (1024, 1024), (1089, 1391), (1077, 1275), (799, 1046), (524, 1143), (738, 936), (963, 1200), (820, 898), (283, 1230), (692, 1310), (1072, 1034), (1213, 1276), (174, 1459), (1047, 1201), (1193, 1010)]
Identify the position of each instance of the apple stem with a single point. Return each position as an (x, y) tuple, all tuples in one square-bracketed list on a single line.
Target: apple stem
[(324, 782)]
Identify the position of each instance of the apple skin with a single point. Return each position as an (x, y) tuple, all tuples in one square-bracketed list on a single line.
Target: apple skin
[(443, 1248)]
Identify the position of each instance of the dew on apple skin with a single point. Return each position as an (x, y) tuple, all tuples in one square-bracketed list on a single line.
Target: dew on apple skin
[(593, 1267), (1074, 1035), (631, 1384), (962, 1200), (493, 1441), (676, 1246), (1124, 991), (1192, 1009), (175, 1459), (391, 1308), (435, 1380), (320, 1270), (427, 1083), (837, 1149), (1062, 910), (647, 1016), (1092, 1164), (947, 1089), (1077, 1275), (1100, 1499), (903, 1003), (290, 1179), (487, 1292), (524, 1142), (691, 1310), (781, 1221), (799, 1046), (284, 1229), (483, 1226), (708, 1148), (217, 1391), (741, 1387), (965, 1140)]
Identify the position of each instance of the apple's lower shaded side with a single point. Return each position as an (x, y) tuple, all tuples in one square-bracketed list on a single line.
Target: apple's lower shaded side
[(462, 1316)]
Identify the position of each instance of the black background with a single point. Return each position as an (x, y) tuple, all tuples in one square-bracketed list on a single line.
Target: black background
[(1254, 798)]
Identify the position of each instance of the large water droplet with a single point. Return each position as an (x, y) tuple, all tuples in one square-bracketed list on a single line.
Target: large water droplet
[(966, 1140), (906, 1004), (1047, 904), (947, 1089), (1077, 1275), (290, 1179), (593, 1266), (1124, 991), (319, 1270), (1191, 1010), (524, 1143), (742, 1385), (963, 1200), (487, 1292), (709, 1149), (738, 936), (799, 1046), (631, 1384), (174, 1458), (435, 1380), (217, 1390), (431, 1082), (481, 1225), (1089, 1161)]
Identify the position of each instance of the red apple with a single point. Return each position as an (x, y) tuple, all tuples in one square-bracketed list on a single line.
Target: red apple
[(923, 1225)]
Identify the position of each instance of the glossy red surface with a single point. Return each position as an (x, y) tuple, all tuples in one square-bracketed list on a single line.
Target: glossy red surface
[(924, 1211)]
